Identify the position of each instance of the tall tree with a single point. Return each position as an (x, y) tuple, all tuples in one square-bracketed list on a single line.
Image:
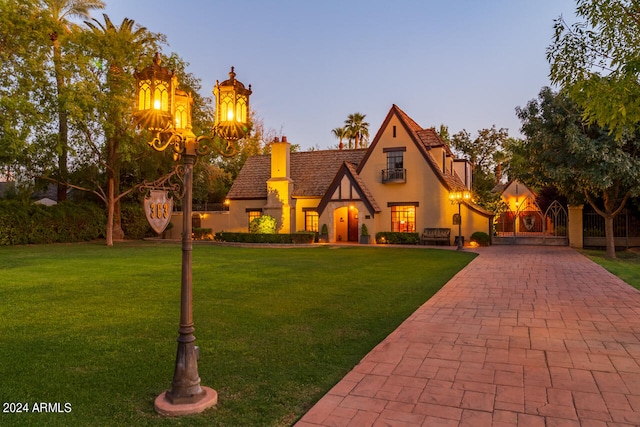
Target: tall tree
[(486, 154), (61, 13), (341, 134), (443, 132), (357, 130), (584, 161), (103, 99), (597, 61), (23, 83)]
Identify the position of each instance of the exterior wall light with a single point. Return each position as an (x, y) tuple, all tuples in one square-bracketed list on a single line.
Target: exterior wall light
[(458, 197)]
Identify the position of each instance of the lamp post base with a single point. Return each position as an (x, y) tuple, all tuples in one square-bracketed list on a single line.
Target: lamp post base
[(168, 409)]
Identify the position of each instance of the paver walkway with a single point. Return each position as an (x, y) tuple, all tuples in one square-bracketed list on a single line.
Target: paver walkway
[(526, 336)]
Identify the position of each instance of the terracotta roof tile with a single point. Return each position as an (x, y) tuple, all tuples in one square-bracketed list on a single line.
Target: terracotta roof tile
[(352, 169), (311, 173), (251, 181)]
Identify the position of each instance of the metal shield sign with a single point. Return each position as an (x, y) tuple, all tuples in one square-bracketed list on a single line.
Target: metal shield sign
[(158, 207)]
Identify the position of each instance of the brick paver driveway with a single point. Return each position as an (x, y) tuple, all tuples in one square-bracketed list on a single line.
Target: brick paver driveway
[(526, 336)]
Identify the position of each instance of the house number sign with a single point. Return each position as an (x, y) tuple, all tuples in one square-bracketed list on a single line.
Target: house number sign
[(158, 207)]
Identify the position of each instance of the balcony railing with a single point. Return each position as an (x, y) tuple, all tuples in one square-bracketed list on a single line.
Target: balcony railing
[(394, 175)]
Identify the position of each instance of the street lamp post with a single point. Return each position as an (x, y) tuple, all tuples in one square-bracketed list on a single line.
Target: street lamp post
[(165, 110), (458, 197)]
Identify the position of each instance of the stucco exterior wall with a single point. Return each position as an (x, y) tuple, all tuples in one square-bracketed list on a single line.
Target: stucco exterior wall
[(422, 186), (515, 193), (575, 226), (238, 216), (215, 220)]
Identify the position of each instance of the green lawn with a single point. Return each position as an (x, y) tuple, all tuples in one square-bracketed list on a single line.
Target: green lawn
[(93, 328), (626, 265)]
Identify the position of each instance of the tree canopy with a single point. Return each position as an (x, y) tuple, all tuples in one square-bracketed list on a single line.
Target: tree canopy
[(597, 61), (486, 153), (584, 161), (66, 91)]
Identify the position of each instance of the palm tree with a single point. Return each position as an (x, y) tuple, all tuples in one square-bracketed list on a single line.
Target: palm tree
[(340, 133), (60, 12), (111, 38), (358, 129)]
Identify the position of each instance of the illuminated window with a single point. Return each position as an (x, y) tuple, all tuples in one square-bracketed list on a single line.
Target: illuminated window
[(253, 214), (403, 219), (311, 221)]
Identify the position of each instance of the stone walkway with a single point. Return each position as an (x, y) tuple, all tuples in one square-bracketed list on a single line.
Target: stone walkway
[(526, 336)]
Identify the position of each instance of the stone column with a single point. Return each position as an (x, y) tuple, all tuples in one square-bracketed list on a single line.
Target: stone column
[(574, 227)]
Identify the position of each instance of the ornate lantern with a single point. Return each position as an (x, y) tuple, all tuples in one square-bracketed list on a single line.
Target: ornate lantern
[(165, 110), (155, 90), (232, 108)]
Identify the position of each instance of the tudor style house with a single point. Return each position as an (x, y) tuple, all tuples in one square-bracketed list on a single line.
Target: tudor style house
[(402, 183)]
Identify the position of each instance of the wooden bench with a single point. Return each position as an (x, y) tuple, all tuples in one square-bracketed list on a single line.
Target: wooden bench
[(436, 235)]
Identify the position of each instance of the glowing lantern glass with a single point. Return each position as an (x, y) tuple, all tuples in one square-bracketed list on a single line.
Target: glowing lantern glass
[(155, 86), (232, 108), (182, 111)]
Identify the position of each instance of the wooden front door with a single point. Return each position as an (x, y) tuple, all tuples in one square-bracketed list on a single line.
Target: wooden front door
[(353, 225)]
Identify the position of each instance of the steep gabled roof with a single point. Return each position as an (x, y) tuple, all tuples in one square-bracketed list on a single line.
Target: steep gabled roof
[(349, 170), (424, 139), (501, 187), (311, 173)]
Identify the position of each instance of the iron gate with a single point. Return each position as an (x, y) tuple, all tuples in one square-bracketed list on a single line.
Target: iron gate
[(529, 224)]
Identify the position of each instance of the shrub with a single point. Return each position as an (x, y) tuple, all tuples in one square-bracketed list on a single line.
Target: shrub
[(27, 223), (202, 233), (364, 231), (264, 224), (481, 238), (134, 222), (303, 237), (397, 238), (299, 237)]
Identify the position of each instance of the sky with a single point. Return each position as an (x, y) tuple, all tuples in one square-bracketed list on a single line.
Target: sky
[(465, 64)]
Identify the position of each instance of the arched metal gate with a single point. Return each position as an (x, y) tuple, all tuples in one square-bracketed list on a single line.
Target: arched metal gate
[(529, 224)]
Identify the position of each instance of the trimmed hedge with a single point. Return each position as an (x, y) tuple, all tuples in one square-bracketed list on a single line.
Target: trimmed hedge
[(397, 238), (23, 223), (481, 238), (298, 238)]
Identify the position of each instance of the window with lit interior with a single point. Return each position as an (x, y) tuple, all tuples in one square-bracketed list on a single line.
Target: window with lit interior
[(253, 215), (311, 221), (403, 219)]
